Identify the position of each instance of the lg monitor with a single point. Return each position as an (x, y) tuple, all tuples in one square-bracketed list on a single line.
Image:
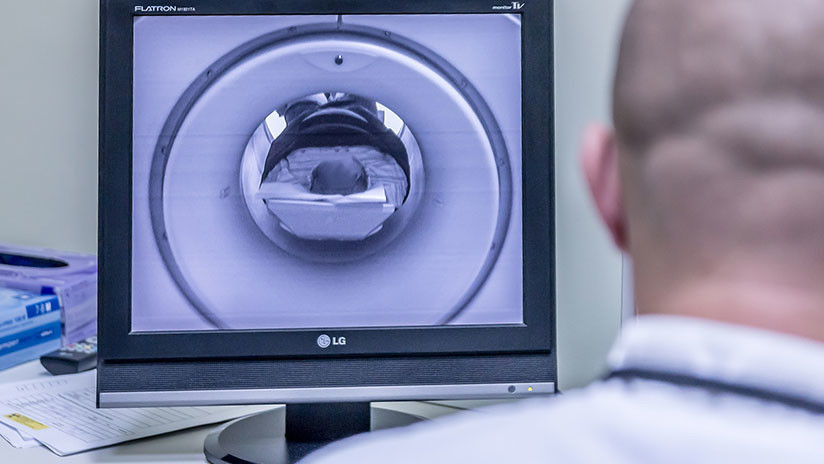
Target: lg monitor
[(324, 204)]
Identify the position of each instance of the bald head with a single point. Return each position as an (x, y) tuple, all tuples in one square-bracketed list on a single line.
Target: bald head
[(719, 111), (719, 145), (683, 60)]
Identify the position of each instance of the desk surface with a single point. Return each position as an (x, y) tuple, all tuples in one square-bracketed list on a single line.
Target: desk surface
[(185, 446)]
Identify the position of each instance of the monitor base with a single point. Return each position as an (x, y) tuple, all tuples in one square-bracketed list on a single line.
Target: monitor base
[(263, 438)]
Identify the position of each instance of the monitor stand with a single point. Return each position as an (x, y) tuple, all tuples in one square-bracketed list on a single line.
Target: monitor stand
[(286, 434)]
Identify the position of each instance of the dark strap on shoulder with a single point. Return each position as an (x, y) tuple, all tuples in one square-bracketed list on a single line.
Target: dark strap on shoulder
[(689, 381)]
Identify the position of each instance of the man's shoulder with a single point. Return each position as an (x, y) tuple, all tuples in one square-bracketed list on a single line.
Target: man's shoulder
[(506, 433), (607, 422)]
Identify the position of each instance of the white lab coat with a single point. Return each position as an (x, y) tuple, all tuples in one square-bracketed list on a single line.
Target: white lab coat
[(639, 420)]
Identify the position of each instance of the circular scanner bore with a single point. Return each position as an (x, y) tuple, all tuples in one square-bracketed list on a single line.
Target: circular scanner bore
[(332, 177), (426, 272)]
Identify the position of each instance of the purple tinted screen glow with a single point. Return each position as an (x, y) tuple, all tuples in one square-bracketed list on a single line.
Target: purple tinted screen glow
[(311, 178)]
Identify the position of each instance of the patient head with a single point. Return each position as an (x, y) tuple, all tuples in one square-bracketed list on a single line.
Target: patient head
[(714, 179), (339, 177)]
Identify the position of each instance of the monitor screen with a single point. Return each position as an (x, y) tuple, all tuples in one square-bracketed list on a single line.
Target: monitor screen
[(326, 171)]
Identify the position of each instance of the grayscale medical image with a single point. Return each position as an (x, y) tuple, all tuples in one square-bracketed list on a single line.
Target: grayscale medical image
[(294, 172)]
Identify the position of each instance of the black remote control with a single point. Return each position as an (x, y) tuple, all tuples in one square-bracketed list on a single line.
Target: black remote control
[(73, 358)]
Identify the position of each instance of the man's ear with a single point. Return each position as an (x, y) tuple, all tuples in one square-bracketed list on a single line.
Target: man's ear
[(599, 158)]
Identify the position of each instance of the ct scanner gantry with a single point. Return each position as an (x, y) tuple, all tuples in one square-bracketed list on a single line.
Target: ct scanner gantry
[(328, 171)]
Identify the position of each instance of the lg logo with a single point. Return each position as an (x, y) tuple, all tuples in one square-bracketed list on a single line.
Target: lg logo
[(324, 341)]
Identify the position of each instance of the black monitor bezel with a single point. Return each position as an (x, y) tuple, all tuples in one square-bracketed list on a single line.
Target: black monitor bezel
[(119, 342)]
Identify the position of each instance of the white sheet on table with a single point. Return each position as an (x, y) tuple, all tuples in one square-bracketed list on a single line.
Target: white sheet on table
[(65, 405)]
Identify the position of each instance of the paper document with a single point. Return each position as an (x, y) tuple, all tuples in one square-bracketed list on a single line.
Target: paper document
[(60, 413), (17, 439)]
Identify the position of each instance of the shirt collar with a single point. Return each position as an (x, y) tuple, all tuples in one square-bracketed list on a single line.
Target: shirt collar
[(722, 352)]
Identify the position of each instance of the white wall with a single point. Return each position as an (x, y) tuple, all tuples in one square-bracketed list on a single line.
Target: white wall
[(588, 266), (48, 124), (48, 152)]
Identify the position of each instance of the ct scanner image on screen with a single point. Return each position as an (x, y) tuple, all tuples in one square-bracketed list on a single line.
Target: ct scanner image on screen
[(295, 172)]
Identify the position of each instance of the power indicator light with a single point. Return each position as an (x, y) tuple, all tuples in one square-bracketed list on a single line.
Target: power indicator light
[(530, 388)]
